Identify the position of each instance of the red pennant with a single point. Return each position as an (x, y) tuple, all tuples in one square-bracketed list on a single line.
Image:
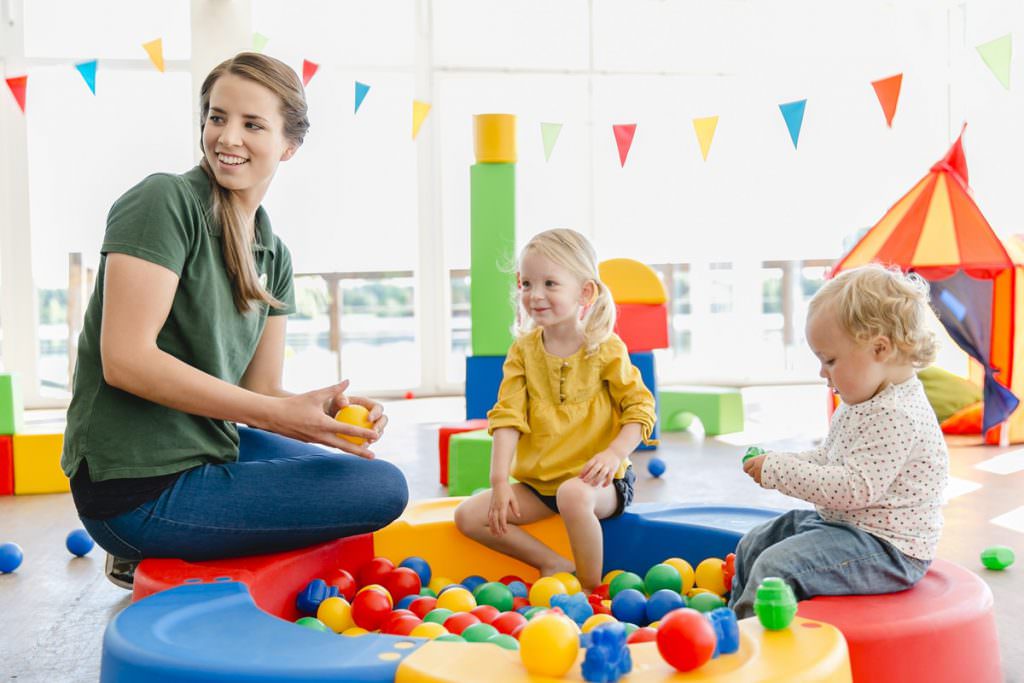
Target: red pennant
[(888, 91), (624, 133), (18, 85), (308, 69)]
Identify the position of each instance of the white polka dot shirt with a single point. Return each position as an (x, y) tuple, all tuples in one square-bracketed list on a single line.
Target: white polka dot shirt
[(882, 468)]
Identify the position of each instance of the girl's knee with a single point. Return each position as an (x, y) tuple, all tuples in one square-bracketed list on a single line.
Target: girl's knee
[(575, 495), (470, 516)]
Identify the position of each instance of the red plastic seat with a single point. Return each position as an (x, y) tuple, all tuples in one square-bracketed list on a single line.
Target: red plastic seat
[(940, 630)]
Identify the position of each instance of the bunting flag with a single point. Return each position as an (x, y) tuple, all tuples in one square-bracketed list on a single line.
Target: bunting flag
[(361, 90), (18, 86), (996, 54), (419, 114), (793, 113), (705, 129), (549, 133), (308, 71), (155, 50), (888, 92), (88, 71), (259, 41), (624, 133)]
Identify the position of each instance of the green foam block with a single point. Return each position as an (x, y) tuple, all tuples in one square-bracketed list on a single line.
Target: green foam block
[(492, 257), (12, 413)]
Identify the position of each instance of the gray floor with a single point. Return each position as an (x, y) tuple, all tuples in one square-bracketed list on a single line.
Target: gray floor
[(55, 607)]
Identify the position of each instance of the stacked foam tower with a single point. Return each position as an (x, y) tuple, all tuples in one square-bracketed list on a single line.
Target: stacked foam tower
[(29, 458)]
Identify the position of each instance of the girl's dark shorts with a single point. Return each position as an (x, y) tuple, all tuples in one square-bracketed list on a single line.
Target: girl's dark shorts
[(623, 492)]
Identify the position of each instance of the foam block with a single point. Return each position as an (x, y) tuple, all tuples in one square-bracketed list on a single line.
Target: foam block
[(444, 434), (483, 377), (642, 327), (469, 462), (12, 414), (720, 409), (6, 465), (492, 241), (632, 282), (644, 362), (37, 464)]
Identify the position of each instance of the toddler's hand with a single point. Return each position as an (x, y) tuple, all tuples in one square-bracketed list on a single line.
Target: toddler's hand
[(600, 470), (753, 467), (502, 501)]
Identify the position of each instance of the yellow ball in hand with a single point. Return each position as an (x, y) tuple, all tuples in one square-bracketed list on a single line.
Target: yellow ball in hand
[(357, 416)]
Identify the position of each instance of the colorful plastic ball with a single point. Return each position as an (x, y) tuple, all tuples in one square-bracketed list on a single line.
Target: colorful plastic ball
[(495, 594), (997, 557), (685, 572), (630, 605), (485, 613), (376, 588), (504, 640), (543, 589), (336, 614), (402, 626), (449, 587), (662, 577), (518, 589), (518, 603), (422, 605), (374, 571), (630, 628), (662, 602), (571, 583), (79, 542), (357, 416), (645, 634), (370, 609), (596, 620), (345, 583), (428, 629), (401, 582), (710, 574), (607, 578), (450, 638), (656, 467), (507, 622), (457, 600), (418, 565), (459, 622), (534, 611), (478, 633), (10, 557), (406, 601), (549, 645), (427, 593), (408, 395), (509, 578), (438, 616), (472, 581), (705, 602), (439, 582), (355, 631), (686, 639), (313, 624), (624, 581)]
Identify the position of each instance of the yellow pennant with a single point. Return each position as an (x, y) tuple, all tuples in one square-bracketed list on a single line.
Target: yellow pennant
[(155, 49), (419, 114), (705, 129)]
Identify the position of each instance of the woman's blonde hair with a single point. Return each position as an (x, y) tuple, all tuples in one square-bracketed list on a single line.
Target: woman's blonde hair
[(572, 251), (281, 80), (873, 301)]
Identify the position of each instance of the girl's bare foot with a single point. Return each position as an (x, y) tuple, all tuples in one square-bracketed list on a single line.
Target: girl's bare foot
[(563, 565)]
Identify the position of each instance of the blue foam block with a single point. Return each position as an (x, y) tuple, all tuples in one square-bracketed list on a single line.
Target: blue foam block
[(483, 377), (644, 362)]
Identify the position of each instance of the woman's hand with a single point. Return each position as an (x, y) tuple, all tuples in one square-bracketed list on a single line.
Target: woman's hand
[(753, 467), (309, 417), (503, 502), (600, 470)]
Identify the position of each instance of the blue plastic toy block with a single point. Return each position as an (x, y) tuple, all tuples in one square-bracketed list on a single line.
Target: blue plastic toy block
[(644, 362), (483, 377)]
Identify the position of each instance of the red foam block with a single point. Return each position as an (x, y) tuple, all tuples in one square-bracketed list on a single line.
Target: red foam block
[(445, 433), (6, 465), (642, 327)]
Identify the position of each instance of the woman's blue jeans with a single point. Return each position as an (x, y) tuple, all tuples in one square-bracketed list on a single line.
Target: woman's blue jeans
[(282, 494), (816, 557)]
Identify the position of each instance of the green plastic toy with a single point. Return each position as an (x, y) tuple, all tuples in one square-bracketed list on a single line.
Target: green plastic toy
[(313, 624), (997, 557), (775, 604), (753, 452)]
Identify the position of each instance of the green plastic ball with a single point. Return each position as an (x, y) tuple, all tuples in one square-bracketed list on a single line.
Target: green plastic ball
[(450, 638), (494, 594), (534, 611), (505, 641), (313, 624), (663, 577), (438, 615), (623, 581), (479, 633), (705, 602)]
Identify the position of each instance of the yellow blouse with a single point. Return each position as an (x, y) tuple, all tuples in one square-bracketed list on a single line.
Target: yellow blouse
[(567, 409)]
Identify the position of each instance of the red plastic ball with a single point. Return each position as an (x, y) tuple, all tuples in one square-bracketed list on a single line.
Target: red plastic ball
[(508, 622), (517, 630), (643, 635), (409, 395), (509, 578), (403, 625), (370, 609), (401, 582), (374, 571), (345, 583), (420, 606), (458, 622), (686, 639), (485, 613), (518, 602)]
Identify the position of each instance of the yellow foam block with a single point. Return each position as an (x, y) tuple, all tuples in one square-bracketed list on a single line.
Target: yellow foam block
[(632, 282), (37, 464), (494, 138)]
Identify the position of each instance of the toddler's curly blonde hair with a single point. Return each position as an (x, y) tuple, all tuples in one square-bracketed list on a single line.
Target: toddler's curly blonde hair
[(873, 300)]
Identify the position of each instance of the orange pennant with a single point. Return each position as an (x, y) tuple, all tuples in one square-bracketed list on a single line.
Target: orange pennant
[(888, 91), (155, 50), (308, 70), (18, 86)]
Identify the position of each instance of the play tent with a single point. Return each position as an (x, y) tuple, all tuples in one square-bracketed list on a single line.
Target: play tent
[(976, 279)]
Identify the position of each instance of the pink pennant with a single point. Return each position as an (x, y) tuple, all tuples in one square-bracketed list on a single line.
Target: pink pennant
[(308, 70), (624, 133)]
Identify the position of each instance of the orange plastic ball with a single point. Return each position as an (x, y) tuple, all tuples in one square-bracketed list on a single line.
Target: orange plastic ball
[(357, 416)]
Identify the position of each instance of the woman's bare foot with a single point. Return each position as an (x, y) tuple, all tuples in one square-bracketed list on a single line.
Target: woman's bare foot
[(563, 565)]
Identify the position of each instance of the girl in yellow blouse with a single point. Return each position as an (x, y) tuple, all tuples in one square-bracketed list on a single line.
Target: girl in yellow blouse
[(570, 410)]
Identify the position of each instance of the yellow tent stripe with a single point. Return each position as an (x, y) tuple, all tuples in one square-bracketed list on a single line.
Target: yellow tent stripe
[(937, 245), (865, 251)]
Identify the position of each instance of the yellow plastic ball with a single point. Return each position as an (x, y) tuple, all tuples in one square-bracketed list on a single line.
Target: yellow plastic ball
[(695, 591), (336, 614), (611, 575), (655, 624), (380, 589), (710, 575), (355, 631), (428, 629), (596, 620), (456, 599), (571, 583), (549, 644), (439, 582), (357, 416), (542, 590), (685, 571)]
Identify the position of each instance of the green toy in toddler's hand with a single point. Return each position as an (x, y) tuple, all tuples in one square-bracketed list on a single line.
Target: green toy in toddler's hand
[(753, 452)]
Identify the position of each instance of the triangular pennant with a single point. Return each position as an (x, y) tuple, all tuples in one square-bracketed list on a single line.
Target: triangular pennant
[(259, 41), (793, 113), (155, 50), (18, 86), (549, 132), (624, 133), (419, 113), (88, 71), (997, 54), (705, 129), (308, 71), (888, 91), (361, 90)]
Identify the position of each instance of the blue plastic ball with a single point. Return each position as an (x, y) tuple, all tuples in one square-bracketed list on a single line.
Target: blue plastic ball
[(656, 466), (10, 557), (450, 586), (662, 602), (473, 581), (79, 542), (407, 600), (630, 605), (519, 589), (420, 566)]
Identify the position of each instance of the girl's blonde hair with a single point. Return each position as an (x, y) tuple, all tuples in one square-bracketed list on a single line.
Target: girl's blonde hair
[(873, 301), (572, 251)]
